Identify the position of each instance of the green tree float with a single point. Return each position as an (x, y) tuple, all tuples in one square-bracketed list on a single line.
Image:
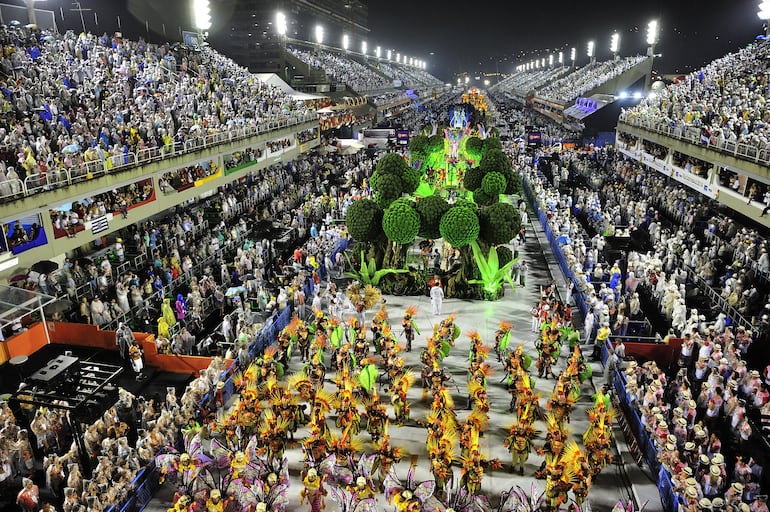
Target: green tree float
[(405, 207)]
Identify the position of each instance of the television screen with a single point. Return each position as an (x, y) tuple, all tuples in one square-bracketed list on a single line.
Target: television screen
[(534, 138), (402, 137)]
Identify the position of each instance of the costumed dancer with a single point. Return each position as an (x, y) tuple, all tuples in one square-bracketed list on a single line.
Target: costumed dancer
[(597, 438), (502, 339), (548, 348), (409, 326), (398, 397), (314, 490)]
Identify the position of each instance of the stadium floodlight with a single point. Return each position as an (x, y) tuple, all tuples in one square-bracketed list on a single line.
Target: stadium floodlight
[(537, 64), (364, 47), (467, 79), (459, 80), (398, 58), (486, 82), (345, 42), (550, 60), (378, 51), (389, 54), (652, 33), (202, 13), (543, 64), (561, 57), (615, 43), (280, 23), (319, 34), (590, 49), (573, 54), (764, 12), (411, 61)]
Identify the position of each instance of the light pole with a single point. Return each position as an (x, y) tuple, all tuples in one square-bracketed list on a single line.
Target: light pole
[(652, 40), (615, 45), (345, 42), (78, 8), (319, 35), (590, 51), (573, 55), (764, 15), (31, 10)]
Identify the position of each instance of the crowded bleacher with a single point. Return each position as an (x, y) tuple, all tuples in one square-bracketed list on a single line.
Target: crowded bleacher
[(585, 79), (722, 104), (83, 104), (343, 69)]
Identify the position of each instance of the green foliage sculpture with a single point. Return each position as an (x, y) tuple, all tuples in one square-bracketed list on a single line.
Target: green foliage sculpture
[(504, 255), (431, 209), (418, 146), (472, 178), (493, 183), (482, 198), (494, 160), (459, 226), (499, 223), (389, 186), (364, 220), (474, 145), (492, 143), (391, 163), (400, 222)]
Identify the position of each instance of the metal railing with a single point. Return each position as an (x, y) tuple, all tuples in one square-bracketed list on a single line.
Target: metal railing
[(112, 164), (692, 135)]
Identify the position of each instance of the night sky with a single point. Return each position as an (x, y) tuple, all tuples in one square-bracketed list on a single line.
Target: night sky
[(491, 36)]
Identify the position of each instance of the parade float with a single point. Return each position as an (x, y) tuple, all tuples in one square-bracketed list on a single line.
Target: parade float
[(454, 190)]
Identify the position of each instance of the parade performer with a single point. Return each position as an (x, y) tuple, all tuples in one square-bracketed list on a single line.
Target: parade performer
[(398, 397), (314, 490), (215, 502), (556, 436), (502, 339), (597, 438), (441, 453), (387, 455), (548, 347), (408, 496), (379, 322), (519, 443), (409, 326), (376, 417)]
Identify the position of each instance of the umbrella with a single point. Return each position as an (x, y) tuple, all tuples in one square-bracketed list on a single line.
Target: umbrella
[(72, 148), (48, 38), (235, 290), (247, 277), (44, 267), (17, 278), (14, 23), (60, 306), (84, 262)]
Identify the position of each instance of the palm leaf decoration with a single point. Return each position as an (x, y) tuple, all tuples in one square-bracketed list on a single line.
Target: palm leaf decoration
[(368, 377), (493, 276), (505, 341), (368, 273)]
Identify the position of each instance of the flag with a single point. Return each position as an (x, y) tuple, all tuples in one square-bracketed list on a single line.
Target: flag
[(99, 224)]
